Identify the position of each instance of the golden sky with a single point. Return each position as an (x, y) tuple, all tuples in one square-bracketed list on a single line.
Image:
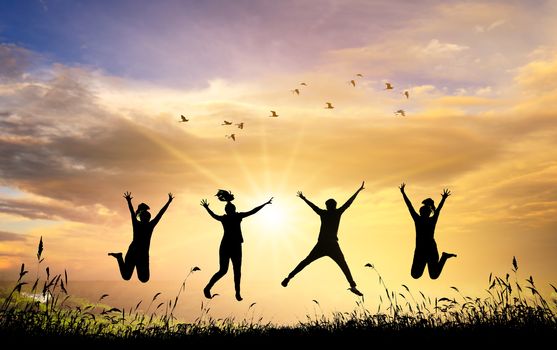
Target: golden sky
[(78, 128)]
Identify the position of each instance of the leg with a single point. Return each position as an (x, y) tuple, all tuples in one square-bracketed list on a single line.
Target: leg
[(315, 254), (142, 268), (236, 258), (434, 264), (126, 266), (336, 254), (418, 264), (223, 269)]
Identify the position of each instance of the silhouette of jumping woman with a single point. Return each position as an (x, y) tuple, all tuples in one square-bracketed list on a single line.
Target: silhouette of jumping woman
[(138, 251), (327, 243), (426, 249), (231, 244)]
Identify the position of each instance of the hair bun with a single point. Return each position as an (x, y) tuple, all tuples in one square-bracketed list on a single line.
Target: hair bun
[(225, 196)]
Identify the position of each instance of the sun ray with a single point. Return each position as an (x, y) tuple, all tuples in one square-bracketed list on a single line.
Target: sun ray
[(180, 155)]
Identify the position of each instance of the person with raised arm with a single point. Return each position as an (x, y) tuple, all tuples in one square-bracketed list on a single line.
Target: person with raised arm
[(327, 243), (231, 243), (137, 256), (426, 252)]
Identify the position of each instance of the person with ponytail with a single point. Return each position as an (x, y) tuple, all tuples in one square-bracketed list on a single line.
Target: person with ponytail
[(231, 244), (137, 255), (426, 252)]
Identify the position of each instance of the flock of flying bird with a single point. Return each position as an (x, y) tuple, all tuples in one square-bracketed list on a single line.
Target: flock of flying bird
[(328, 105)]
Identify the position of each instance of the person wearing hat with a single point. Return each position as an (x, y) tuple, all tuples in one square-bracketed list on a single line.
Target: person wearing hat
[(137, 255), (231, 244), (426, 252)]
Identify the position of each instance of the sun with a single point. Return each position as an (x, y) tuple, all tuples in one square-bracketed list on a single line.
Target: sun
[(273, 216)]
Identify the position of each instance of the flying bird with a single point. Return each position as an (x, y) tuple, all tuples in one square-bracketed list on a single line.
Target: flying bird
[(296, 91), (353, 82), (329, 105), (388, 86), (400, 112), (273, 114), (240, 125), (303, 84), (406, 93), (226, 123), (359, 75), (231, 136), (183, 119)]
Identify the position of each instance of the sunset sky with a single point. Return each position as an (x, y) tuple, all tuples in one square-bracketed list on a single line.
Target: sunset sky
[(91, 93)]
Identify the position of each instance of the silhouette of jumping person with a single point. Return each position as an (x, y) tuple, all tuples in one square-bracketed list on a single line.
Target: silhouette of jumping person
[(327, 243), (231, 244), (426, 249), (138, 252)]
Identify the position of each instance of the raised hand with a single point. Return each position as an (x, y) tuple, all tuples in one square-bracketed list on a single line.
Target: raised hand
[(204, 203), (128, 195), (362, 186), (170, 197), (269, 201), (301, 195), (446, 193), (402, 185)]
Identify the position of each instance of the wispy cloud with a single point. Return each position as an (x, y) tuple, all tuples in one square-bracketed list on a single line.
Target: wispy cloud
[(10, 236)]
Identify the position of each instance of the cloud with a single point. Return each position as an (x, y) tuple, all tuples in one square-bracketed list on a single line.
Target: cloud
[(435, 47), (10, 236), (490, 27), (14, 61)]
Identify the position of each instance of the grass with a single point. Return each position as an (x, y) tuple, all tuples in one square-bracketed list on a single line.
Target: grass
[(512, 311)]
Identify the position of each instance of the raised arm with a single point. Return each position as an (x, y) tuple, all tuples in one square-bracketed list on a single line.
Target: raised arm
[(351, 199), (205, 205), (129, 198), (444, 196), (163, 209), (407, 201), (311, 205), (256, 209)]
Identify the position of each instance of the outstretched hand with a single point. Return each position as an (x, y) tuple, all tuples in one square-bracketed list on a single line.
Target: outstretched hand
[(269, 201), (301, 195), (402, 185), (128, 195), (204, 203), (362, 186), (446, 193), (170, 197)]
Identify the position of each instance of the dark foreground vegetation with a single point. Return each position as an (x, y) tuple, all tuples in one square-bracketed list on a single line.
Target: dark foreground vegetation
[(512, 313)]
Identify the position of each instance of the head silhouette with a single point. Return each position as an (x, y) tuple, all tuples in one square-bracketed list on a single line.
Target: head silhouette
[(425, 211), (428, 202), (142, 213), (144, 216), (230, 208), (331, 204)]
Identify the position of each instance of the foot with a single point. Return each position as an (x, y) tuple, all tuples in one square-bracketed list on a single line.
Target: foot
[(116, 255), (207, 293), (449, 255), (355, 291), (238, 296), (285, 281)]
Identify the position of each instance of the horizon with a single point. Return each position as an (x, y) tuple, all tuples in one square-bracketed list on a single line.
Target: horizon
[(91, 98)]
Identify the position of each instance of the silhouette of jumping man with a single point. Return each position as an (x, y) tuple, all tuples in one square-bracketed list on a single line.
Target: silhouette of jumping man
[(138, 251), (327, 243), (426, 249), (231, 244)]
